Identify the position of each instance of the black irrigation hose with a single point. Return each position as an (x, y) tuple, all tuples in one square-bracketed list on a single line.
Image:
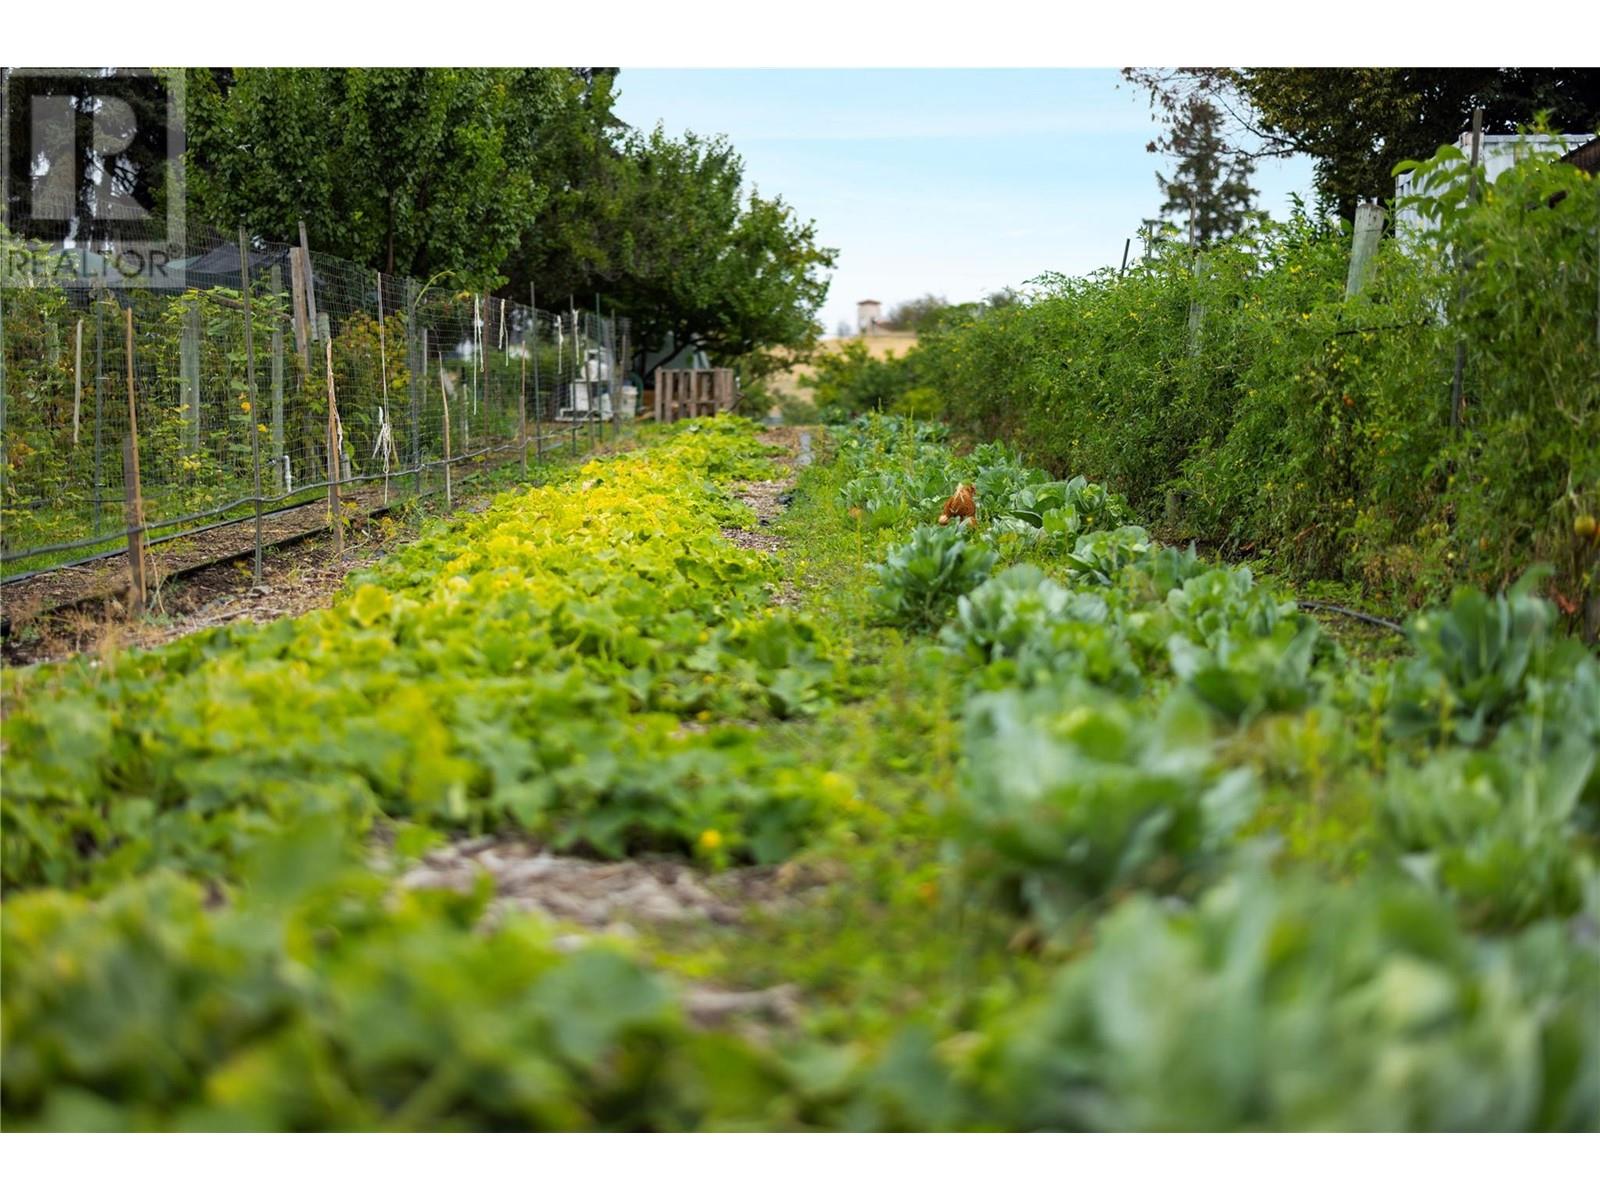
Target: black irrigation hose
[(1381, 622)]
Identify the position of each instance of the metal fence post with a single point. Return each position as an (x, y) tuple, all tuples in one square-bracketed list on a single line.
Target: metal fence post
[(133, 500), (533, 338), (99, 407), (250, 395), (335, 514), (444, 402)]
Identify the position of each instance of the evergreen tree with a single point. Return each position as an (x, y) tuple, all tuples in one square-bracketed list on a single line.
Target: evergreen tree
[(1210, 188)]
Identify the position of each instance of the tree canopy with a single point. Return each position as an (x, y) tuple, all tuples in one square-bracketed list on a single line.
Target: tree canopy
[(514, 180), (1356, 123)]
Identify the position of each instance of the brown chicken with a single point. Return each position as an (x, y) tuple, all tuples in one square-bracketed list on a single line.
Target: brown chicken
[(963, 506)]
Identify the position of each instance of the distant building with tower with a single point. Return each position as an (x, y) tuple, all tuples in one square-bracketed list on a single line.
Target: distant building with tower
[(869, 315)]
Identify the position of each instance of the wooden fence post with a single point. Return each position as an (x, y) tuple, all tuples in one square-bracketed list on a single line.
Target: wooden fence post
[(99, 407), (311, 282), (77, 379), (335, 512), (1364, 244), (133, 499), (1197, 310), (297, 301)]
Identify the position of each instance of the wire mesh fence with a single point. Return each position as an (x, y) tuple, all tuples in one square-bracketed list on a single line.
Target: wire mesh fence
[(268, 374)]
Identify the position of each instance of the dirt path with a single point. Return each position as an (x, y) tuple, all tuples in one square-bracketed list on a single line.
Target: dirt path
[(619, 898), (769, 497)]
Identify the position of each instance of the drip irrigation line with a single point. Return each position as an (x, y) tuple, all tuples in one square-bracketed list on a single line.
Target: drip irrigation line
[(1381, 622)]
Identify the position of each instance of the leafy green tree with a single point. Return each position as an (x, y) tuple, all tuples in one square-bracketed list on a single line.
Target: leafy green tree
[(665, 229), (850, 380), (1209, 192), (514, 179), (406, 169), (911, 315)]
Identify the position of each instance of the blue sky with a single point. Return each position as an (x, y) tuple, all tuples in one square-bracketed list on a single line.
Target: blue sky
[(956, 182)]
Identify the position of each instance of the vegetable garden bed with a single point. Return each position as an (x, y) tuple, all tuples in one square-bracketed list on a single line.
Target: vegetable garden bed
[(1056, 827)]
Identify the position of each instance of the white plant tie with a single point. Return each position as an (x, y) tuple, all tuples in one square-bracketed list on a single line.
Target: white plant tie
[(384, 448)]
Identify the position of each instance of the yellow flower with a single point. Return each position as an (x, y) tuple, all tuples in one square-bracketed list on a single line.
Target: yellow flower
[(244, 406), (709, 839), (261, 428)]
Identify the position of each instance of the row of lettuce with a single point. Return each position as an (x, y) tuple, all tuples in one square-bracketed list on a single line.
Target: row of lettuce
[(1287, 890), (1245, 400), (531, 666)]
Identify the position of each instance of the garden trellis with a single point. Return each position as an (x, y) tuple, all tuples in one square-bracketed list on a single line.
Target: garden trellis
[(207, 423)]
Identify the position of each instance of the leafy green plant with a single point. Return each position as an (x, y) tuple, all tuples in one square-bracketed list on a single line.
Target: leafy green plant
[(1322, 1007), (1239, 648), (920, 580), (1098, 557), (528, 667), (343, 1008), (1069, 795), (1501, 833), (1040, 630), (1474, 661)]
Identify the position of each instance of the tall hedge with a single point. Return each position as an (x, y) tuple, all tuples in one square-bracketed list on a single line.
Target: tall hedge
[(1240, 399)]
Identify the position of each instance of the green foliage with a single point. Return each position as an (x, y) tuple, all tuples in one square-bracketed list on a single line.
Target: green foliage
[(1100, 556), (1068, 796), (671, 232), (528, 667), (346, 1009), (850, 380), (1209, 193), (1501, 833), (1244, 401), (1475, 660), (1355, 123), (1241, 650), (411, 170), (1048, 884), (1308, 1007), (921, 580), (510, 178)]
